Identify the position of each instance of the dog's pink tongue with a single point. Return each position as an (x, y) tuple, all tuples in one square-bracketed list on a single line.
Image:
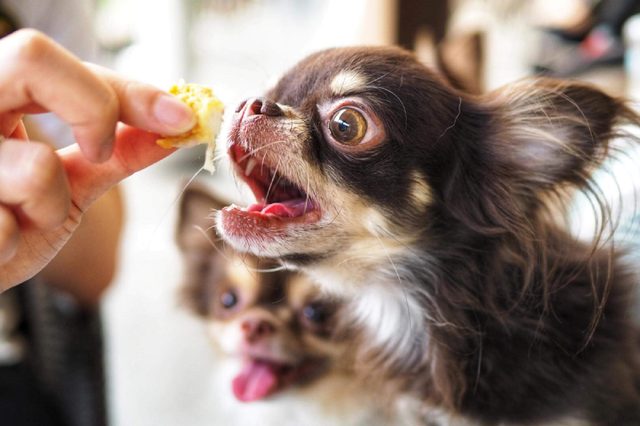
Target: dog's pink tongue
[(256, 380), (289, 208)]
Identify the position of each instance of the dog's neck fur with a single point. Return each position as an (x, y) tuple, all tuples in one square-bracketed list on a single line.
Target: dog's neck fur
[(382, 302), (429, 325)]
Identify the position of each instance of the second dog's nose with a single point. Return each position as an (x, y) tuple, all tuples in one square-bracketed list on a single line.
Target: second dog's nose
[(257, 106), (257, 328)]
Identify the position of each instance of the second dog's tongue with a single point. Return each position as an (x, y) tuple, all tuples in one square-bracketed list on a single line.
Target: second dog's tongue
[(256, 380)]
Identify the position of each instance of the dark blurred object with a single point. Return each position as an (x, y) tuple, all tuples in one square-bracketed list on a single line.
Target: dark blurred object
[(414, 16), (459, 58), (60, 379), (7, 23), (67, 353), (567, 53)]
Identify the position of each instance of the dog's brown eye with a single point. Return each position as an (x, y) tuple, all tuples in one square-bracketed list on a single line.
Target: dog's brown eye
[(228, 299), (348, 126)]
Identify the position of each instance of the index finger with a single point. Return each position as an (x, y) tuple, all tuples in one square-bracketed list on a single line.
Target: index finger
[(147, 107), (38, 71), (134, 150)]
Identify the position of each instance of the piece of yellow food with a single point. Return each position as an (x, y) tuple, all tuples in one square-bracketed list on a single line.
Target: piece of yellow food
[(208, 110)]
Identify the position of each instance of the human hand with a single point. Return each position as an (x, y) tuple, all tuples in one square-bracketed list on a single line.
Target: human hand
[(43, 193)]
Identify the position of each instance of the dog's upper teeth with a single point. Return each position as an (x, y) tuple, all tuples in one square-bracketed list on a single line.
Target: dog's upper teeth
[(251, 164)]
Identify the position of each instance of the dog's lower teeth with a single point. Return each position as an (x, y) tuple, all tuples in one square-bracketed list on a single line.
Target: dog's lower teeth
[(251, 164)]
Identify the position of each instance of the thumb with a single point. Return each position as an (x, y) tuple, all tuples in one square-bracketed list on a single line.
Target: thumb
[(134, 150)]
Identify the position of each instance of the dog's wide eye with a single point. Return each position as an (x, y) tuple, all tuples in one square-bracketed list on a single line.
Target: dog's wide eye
[(228, 299), (348, 126)]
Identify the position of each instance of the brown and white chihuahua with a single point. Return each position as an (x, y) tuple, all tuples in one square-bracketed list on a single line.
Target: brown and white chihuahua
[(278, 338), (438, 213)]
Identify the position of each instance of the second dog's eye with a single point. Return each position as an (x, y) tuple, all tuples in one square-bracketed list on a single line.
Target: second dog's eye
[(348, 126), (315, 313), (228, 299)]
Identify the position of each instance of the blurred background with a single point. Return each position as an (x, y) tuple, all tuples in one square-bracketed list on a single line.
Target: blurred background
[(158, 362)]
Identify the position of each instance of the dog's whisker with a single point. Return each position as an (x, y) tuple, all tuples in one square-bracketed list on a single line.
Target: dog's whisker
[(404, 108), (253, 151), (455, 120), (307, 191), (273, 178), (211, 242), (175, 200), (219, 157)]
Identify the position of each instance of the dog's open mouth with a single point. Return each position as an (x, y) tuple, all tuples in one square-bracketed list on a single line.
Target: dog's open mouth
[(261, 378), (279, 202)]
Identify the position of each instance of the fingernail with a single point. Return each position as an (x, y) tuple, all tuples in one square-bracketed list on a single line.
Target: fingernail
[(173, 113)]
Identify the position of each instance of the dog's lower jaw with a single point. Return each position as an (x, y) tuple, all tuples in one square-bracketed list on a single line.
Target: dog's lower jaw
[(312, 241)]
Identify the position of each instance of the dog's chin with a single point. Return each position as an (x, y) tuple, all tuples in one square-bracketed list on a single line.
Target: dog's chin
[(267, 235), (297, 241)]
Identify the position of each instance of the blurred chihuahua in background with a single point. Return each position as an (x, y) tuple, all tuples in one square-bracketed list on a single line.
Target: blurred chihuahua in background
[(437, 213), (283, 355)]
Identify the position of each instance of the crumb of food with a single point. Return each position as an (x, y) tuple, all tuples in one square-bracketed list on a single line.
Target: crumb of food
[(208, 110)]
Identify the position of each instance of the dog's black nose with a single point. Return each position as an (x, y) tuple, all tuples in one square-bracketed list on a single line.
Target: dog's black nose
[(257, 106)]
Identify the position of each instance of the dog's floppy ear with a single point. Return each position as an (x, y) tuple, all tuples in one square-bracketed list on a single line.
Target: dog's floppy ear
[(556, 132), (526, 142), (201, 251), (195, 229)]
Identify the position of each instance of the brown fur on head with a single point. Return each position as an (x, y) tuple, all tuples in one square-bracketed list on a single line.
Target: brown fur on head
[(280, 326), (438, 211)]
